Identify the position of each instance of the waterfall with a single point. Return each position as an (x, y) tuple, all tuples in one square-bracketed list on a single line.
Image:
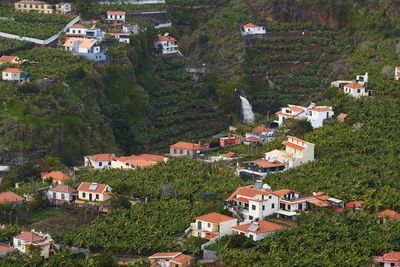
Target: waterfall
[(247, 111)]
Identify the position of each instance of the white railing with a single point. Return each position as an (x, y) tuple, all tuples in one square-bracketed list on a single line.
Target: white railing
[(39, 41)]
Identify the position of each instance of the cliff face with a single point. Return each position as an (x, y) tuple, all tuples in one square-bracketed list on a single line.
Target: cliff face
[(327, 12)]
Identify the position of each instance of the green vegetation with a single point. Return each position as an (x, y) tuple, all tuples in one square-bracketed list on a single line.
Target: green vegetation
[(40, 26), (8, 46)]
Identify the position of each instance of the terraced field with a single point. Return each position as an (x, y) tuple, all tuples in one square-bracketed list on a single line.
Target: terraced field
[(291, 61)]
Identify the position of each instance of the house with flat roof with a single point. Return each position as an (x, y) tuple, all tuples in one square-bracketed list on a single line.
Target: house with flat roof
[(81, 31), (260, 168)]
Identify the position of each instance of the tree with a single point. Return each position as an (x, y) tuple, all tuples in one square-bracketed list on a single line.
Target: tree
[(33, 252), (120, 203), (296, 127), (104, 259)]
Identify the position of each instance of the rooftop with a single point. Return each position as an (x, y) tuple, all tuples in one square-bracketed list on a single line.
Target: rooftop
[(214, 217), (259, 227)]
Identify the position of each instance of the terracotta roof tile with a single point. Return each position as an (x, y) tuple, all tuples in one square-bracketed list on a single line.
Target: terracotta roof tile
[(30, 237), (56, 176), (85, 186), (188, 146), (249, 25), (13, 70), (354, 85), (10, 197), (166, 39), (390, 213), (263, 227), (63, 189), (266, 163), (214, 217)]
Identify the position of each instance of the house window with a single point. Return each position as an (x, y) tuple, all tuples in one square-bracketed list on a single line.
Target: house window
[(270, 197), (19, 243), (251, 217), (83, 195), (358, 91), (288, 207), (109, 163), (251, 237), (253, 207), (208, 225), (272, 205), (100, 164), (97, 196), (63, 196), (263, 208), (54, 195)]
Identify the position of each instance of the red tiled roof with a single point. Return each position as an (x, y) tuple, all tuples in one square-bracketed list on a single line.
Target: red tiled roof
[(282, 192), (84, 186), (318, 109), (250, 25), (267, 164), (64, 189), (390, 213), (354, 204), (283, 114), (253, 139), (166, 39), (263, 227), (392, 256), (214, 217), (116, 12), (78, 26), (188, 146), (142, 160), (210, 236), (249, 192), (29, 237), (13, 70), (354, 85), (241, 199), (342, 116), (297, 139), (290, 144), (10, 197), (317, 202), (6, 248), (56, 175), (182, 259), (296, 108), (7, 58), (260, 129), (102, 157)]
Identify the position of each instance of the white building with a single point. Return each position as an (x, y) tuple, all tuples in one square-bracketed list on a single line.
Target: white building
[(88, 48), (38, 6), (258, 230), (254, 202), (186, 149), (23, 241), (80, 31), (213, 225), (397, 73), (118, 17), (137, 161), (94, 192), (99, 161), (168, 44), (296, 152), (314, 114), (356, 90), (121, 37), (16, 75), (252, 29), (60, 194)]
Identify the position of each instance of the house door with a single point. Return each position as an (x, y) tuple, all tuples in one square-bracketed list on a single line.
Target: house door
[(199, 225), (90, 197)]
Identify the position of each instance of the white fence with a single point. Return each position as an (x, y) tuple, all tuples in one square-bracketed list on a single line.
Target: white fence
[(39, 41)]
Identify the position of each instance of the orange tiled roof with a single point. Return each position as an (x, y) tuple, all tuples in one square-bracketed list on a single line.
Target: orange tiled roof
[(182, 259), (214, 217), (85, 186), (249, 192), (56, 175), (30, 237), (354, 85), (188, 146), (102, 157), (282, 192), (267, 164), (263, 227), (5, 248), (78, 26), (319, 109), (62, 188), (116, 12), (165, 255), (10, 197), (390, 213), (229, 155), (250, 25), (166, 39), (13, 70), (7, 58), (82, 42), (342, 116), (392, 256), (354, 204), (292, 145), (260, 129)]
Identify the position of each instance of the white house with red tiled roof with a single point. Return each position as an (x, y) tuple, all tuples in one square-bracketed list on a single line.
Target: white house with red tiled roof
[(213, 225), (10, 60), (23, 241), (296, 152), (314, 114), (186, 149), (253, 202), (5, 249), (252, 29), (116, 16), (258, 230), (85, 47), (356, 90), (99, 161), (171, 259), (10, 198), (390, 259), (94, 192), (60, 194), (15, 75), (167, 43)]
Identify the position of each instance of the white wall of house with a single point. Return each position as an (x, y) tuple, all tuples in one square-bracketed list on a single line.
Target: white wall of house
[(116, 17), (316, 118), (59, 196), (91, 196), (253, 236), (167, 47), (253, 31), (356, 93), (177, 151), (22, 246), (98, 164), (11, 76), (77, 31), (260, 209)]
